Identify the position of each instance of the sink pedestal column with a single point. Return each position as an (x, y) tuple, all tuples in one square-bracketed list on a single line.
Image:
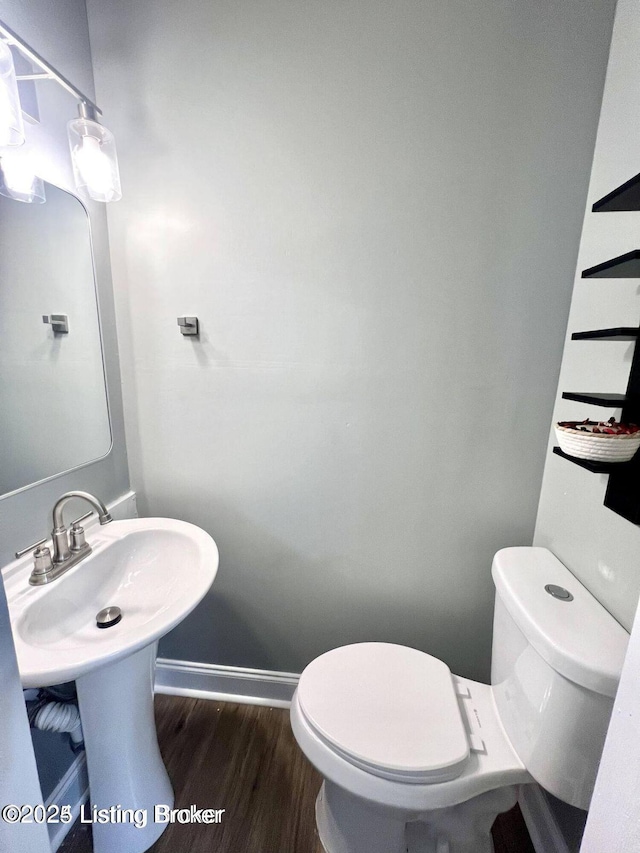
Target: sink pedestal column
[(124, 763)]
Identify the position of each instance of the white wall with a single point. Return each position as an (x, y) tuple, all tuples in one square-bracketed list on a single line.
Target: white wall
[(612, 825), (600, 547), (374, 210)]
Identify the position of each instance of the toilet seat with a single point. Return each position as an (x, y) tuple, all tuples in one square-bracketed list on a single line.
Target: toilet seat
[(495, 766), (387, 709)]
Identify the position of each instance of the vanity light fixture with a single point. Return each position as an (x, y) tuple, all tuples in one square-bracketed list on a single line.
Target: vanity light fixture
[(18, 180), (94, 157), (93, 148), (11, 124)]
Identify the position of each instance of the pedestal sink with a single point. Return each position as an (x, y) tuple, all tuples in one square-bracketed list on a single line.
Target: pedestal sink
[(155, 570)]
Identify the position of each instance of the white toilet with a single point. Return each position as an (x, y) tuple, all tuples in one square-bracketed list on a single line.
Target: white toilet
[(417, 759)]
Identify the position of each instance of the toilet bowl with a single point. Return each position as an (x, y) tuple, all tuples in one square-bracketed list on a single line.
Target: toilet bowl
[(389, 758), (417, 759)]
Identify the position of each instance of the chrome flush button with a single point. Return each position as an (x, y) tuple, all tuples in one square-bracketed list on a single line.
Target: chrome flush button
[(559, 592)]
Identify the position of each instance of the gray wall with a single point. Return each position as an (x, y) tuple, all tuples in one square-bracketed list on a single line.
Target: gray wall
[(59, 32), (600, 547), (375, 212)]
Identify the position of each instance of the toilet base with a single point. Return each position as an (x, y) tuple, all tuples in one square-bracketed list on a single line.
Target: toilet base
[(348, 824)]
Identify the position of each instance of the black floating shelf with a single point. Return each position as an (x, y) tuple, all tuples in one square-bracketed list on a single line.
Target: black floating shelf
[(620, 333), (590, 464), (612, 400), (624, 266), (624, 197)]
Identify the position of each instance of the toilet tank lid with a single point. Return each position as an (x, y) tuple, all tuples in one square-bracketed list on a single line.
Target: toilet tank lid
[(578, 638)]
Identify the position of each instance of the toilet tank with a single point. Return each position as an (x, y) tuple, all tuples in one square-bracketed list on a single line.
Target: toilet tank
[(555, 669)]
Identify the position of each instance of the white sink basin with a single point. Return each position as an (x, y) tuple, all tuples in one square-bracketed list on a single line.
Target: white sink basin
[(154, 569)]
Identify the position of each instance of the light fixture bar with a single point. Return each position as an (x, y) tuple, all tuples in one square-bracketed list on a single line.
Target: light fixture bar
[(8, 35)]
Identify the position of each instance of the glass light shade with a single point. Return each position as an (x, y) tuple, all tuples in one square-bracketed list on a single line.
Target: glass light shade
[(95, 161), (11, 125), (18, 180)]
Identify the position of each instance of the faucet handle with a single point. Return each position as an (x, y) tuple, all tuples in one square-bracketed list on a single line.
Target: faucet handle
[(77, 541), (42, 561), (42, 565), (30, 548)]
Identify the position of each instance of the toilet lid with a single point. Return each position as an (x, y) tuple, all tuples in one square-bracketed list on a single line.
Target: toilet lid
[(389, 709)]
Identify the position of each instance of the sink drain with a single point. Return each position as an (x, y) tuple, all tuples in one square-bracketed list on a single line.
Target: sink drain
[(108, 617)]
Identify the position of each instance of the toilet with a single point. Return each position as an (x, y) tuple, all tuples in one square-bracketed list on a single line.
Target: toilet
[(418, 760)]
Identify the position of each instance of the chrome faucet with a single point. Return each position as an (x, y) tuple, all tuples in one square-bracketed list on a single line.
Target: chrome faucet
[(68, 548), (62, 551)]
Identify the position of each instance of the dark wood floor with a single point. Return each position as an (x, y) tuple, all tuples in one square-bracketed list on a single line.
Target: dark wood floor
[(244, 759)]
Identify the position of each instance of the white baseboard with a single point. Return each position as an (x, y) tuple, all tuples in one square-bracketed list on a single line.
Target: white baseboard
[(545, 833), (72, 790), (225, 683)]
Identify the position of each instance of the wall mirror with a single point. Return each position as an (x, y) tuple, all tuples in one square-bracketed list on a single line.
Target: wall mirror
[(54, 414)]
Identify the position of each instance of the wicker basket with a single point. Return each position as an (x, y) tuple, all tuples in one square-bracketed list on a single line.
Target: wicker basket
[(602, 447)]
